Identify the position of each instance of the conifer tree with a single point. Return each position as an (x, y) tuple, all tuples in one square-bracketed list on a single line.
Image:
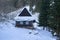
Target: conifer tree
[(44, 11)]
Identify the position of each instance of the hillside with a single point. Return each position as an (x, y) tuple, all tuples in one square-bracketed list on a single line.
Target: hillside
[(8, 31)]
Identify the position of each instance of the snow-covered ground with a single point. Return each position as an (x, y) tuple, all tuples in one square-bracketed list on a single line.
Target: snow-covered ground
[(8, 31)]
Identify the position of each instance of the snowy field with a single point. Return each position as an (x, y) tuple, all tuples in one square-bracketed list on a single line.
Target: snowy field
[(8, 31)]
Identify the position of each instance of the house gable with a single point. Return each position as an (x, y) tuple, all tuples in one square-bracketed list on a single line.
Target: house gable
[(25, 13)]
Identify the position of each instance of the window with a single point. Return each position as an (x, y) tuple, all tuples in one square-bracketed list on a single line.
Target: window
[(21, 22), (27, 22)]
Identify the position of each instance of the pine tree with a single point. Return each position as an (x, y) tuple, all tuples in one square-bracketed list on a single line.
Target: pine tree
[(44, 11), (57, 16), (54, 17), (49, 14)]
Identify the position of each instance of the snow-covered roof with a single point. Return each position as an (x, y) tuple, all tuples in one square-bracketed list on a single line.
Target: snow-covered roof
[(24, 18), (25, 12)]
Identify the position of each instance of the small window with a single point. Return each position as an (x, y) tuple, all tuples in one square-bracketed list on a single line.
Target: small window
[(27, 22), (21, 22)]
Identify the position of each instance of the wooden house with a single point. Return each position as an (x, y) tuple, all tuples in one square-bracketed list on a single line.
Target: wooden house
[(25, 19)]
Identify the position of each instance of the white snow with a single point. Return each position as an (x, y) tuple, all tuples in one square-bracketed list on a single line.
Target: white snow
[(17, 12), (8, 31), (24, 18), (33, 7), (36, 16), (52, 3)]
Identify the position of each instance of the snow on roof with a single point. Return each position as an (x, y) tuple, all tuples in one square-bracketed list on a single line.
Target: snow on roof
[(25, 12), (25, 18), (23, 9)]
